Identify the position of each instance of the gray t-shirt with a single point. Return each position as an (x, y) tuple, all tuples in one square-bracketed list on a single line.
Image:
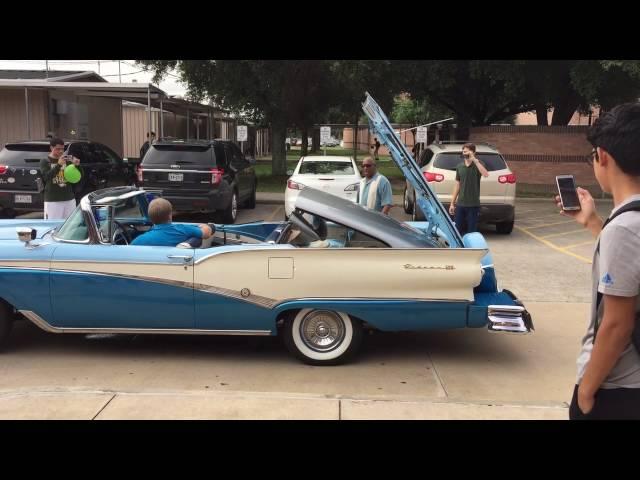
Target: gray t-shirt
[(616, 271)]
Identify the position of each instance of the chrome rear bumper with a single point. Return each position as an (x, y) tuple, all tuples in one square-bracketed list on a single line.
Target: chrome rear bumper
[(504, 318)]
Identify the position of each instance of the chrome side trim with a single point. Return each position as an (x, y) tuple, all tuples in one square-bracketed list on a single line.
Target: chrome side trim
[(285, 246), (21, 268), (39, 322), (173, 283), (237, 295)]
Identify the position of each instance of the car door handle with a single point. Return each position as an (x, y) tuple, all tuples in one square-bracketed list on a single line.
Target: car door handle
[(186, 258)]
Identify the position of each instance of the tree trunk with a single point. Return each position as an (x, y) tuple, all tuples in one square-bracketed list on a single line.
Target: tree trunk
[(315, 140), (563, 112), (304, 150), (355, 140), (541, 114), (278, 149)]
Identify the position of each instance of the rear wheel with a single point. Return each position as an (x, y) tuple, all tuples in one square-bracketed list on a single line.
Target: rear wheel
[(251, 203), (7, 213), (230, 213), (406, 202), (6, 323), (322, 337), (504, 228)]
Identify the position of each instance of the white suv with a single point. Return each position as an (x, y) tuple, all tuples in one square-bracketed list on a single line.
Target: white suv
[(497, 191), (336, 175)]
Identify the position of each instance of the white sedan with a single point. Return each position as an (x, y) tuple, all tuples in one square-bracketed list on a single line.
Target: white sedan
[(332, 174)]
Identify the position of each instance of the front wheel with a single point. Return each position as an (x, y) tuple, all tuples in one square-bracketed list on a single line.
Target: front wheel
[(251, 203), (504, 228), (406, 202), (322, 337), (417, 215), (6, 323)]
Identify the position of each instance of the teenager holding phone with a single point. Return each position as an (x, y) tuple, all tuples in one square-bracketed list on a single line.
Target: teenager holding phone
[(608, 382)]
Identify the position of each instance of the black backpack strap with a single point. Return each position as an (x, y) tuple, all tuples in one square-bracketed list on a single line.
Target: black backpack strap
[(629, 207)]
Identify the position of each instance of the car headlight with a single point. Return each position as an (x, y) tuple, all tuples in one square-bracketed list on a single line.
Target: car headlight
[(354, 187)]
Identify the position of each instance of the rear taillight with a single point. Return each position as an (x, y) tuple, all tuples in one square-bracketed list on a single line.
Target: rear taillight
[(139, 173), (3, 169), (216, 175), (294, 185), (433, 177), (511, 178)]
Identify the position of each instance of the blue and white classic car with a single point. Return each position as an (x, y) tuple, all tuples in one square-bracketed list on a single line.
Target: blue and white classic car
[(292, 278)]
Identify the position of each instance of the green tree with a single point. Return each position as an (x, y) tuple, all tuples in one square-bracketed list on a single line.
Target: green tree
[(275, 92)]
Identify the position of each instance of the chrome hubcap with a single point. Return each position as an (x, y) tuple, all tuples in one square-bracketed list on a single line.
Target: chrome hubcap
[(322, 330), (234, 206)]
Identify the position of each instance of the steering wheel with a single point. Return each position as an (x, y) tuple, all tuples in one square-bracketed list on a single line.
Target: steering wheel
[(122, 232)]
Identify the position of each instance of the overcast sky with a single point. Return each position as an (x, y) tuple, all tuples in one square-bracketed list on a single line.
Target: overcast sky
[(107, 69)]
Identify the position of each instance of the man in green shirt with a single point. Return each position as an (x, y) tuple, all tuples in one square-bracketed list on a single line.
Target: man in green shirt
[(465, 201), (59, 200)]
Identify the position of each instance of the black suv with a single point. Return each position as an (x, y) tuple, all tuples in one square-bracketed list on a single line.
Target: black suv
[(200, 176), (20, 167)]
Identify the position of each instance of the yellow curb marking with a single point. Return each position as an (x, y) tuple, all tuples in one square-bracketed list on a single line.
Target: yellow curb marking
[(551, 224), (590, 242), (566, 233), (553, 246)]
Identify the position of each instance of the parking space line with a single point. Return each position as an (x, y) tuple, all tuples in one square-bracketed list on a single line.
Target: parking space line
[(525, 211), (590, 242), (542, 216), (565, 233), (550, 224), (553, 246), (275, 214)]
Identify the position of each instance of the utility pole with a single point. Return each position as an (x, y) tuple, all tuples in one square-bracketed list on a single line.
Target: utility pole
[(46, 63), (119, 75)]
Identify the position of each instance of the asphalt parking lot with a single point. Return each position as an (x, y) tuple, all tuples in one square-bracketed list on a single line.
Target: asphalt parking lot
[(445, 374)]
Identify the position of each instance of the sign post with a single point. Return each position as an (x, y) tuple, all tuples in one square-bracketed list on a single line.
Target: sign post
[(325, 134), (242, 136)]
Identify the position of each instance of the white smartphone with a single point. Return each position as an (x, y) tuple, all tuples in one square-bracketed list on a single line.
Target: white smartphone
[(568, 194)]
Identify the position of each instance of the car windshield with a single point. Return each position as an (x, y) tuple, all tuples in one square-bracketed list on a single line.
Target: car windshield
[(326, 168), (449, 161), (128, 207), (74, 229)]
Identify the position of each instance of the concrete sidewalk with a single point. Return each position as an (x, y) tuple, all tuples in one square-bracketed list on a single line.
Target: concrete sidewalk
[(101, 405)]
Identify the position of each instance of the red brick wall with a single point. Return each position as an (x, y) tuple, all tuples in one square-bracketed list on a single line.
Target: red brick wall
[(537, 154)]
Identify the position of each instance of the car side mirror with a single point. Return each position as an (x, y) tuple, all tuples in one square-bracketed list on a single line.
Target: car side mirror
[(26, 234), (289, 172)]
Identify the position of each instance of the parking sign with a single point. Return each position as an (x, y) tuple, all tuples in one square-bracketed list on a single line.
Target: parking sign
[(242, 133), (421, 135), (325, 134)]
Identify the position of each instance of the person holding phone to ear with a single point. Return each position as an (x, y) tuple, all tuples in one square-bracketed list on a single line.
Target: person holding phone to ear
[(465, 200), (608, 380), (59, 199)]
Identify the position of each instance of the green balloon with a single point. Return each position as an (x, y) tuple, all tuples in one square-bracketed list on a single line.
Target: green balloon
[(72, 174)]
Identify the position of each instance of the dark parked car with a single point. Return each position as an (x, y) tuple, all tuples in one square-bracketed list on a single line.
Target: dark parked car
[(20, 167), (200, 176)]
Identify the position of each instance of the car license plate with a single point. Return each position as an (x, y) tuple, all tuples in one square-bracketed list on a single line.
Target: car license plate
[(22, 199), (176, 177)]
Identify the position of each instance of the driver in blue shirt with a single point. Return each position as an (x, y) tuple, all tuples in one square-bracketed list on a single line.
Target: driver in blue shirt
[(167, 234)]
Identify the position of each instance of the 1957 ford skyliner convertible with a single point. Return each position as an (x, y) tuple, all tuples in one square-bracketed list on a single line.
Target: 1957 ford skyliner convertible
[(322, 277)]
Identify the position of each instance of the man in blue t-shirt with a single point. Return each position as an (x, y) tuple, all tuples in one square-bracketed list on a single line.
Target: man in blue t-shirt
[(166, 234)]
